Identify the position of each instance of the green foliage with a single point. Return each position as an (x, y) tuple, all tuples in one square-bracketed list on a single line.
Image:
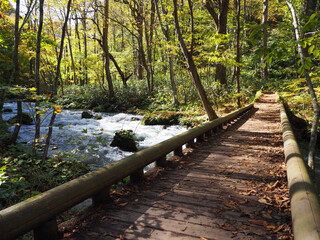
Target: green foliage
[(161, 118), (4, 135), (23, 175), (96, 98)]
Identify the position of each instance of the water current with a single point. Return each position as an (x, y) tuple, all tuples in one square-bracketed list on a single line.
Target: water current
[(88, 140)]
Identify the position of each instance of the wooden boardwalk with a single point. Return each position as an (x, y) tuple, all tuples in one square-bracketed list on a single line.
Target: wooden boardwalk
[(231, 186)]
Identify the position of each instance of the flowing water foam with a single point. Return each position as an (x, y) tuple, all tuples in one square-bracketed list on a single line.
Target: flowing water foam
[(88, 139)]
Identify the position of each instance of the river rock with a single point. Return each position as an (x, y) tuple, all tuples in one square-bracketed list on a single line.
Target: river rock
[(86, 114), (7, 110), (125, 140), (97, 117), (26, 119)]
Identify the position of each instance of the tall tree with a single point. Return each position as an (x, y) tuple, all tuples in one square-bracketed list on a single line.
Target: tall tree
[(63, 34), (220, 20), (263, 64), (106, 50), (37, 73), (315, 104), (16, 130), (190, 62), (238, 54), (166, 32)]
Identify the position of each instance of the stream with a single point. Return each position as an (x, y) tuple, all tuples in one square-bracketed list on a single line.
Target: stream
[(88, 140)]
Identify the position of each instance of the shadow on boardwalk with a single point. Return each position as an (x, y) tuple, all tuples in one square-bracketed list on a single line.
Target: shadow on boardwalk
[(230, 186)]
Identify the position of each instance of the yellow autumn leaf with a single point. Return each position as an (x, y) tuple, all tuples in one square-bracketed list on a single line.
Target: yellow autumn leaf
[(57, 110), (33, 89)]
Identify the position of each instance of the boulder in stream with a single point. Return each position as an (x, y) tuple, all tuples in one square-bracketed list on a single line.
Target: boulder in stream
[(86, 114), (125, 140), (26, 119)]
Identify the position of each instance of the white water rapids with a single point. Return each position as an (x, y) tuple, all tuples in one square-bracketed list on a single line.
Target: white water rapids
[(88, 140)]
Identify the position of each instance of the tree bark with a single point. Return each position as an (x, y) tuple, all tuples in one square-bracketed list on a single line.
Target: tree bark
[(238, 58), (16, 130), (46, 148), (106, 50), (63, 34), (166, 33), (263, 64), (315, 105), (220, 20), (192, 67)]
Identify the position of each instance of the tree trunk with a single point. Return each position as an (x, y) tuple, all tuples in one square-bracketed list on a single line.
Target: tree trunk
[(16, 130), (72, 59), (315, 105), (84, 62), (63, 34), (37, 75), (46, 148), (149, 40), (192, 67), (166, 33), (263, 64), (220, 20), (106, 50), (238, 58)]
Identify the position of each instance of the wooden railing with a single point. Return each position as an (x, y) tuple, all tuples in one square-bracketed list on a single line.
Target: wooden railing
[(305, 210), (39, 212)]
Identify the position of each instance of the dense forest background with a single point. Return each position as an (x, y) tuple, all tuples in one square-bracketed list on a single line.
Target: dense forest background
[(191, 57)]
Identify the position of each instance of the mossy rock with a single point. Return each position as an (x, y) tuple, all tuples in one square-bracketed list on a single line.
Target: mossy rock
[(26, 119), (86, 114), (161, 119), (97, 117), (125, 140)]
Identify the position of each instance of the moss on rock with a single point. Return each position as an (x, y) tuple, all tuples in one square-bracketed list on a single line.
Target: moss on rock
[(125, 140)]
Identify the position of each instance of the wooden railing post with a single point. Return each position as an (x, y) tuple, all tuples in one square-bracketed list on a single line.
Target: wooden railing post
[(101, 197), (161, 162), (178, 151), (190, 144), (47, 230), (200, 138), (208, 133), (137, 176)]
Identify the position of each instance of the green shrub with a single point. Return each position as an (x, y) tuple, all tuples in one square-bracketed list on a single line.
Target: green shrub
[(23, 175), (161, 118)]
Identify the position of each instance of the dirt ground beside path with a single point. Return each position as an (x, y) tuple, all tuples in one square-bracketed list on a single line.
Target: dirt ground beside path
[(231, 186)]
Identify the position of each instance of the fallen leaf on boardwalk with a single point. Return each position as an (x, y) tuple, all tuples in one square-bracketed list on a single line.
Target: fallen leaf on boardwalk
[(228, 227), (202, 238), (279, 228), (270, 227), (266, 215), (244, 201), (162, 194), (123, 204), (244, 226), (220, 210), (191, 164), (137, 200), (264, 201), (230, 204), (259, 222), (246, 193)]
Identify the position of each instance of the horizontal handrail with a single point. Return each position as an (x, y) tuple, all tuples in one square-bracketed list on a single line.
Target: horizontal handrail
[(305, 210), (33, 212)]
